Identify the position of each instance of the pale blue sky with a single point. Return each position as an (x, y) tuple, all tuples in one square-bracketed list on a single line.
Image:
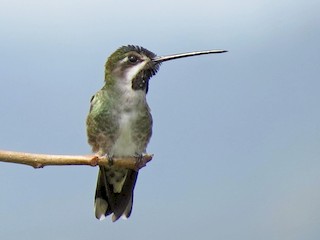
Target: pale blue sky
[(236, 135)]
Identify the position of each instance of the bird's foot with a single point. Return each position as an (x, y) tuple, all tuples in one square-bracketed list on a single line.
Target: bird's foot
[(140, 162), (110, 160), (94, 161)]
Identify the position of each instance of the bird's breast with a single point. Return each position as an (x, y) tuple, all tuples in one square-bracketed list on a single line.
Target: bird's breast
[(125, 144)]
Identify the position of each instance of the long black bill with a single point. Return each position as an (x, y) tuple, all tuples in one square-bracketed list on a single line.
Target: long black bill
[(161, 59)]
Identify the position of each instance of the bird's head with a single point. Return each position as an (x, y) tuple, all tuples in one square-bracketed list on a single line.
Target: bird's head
[(134, 66)]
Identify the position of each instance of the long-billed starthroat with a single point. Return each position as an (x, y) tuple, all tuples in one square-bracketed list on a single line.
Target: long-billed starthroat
[(119, 123)]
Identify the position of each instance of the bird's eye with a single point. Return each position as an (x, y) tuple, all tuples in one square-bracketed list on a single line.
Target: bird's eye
[(133, 58)]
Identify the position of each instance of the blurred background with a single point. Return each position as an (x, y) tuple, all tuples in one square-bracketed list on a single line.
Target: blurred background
[(236, 135)]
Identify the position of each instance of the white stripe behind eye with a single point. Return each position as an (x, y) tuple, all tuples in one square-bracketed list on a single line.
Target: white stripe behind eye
[(134, 70)]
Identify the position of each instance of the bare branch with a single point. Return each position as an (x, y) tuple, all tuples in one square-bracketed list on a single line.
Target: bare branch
[(42, 160)]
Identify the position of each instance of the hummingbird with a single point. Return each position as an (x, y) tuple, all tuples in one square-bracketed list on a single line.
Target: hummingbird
[(119, 123)]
